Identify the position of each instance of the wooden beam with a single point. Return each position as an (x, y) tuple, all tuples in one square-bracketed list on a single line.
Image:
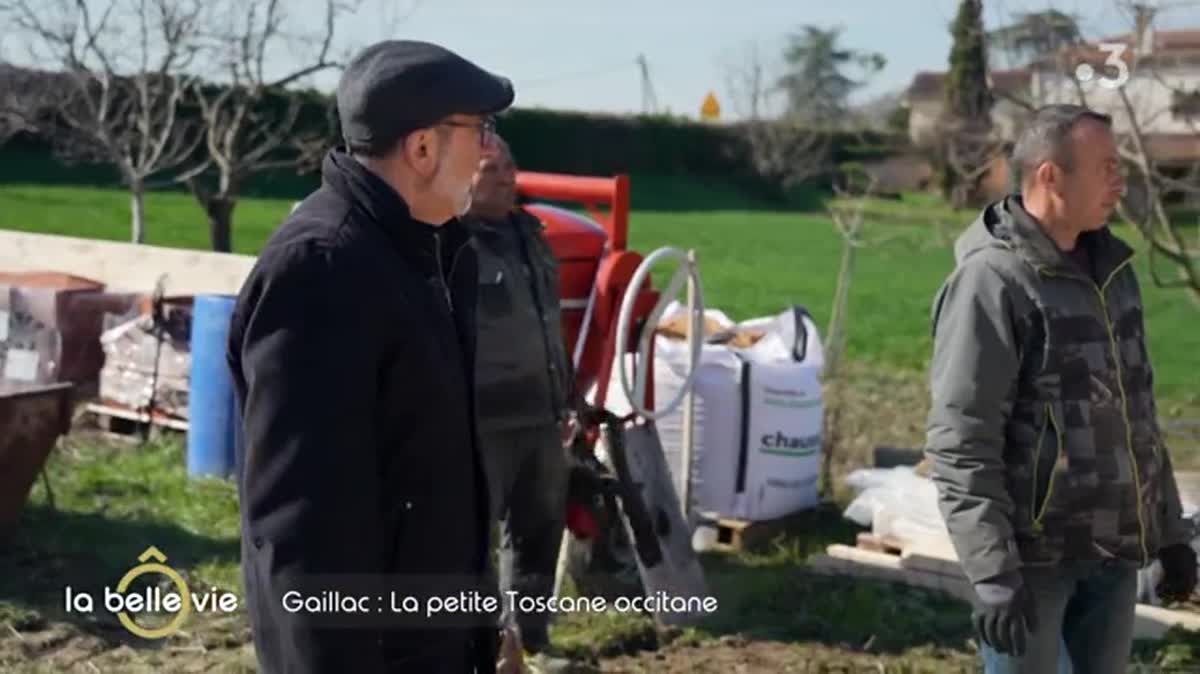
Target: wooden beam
[(1150, 622)]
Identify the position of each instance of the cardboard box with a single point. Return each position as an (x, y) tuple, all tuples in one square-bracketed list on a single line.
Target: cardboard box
[(72, 306)]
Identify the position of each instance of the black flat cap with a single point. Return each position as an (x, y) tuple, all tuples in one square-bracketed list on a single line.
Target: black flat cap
[(398, 86)]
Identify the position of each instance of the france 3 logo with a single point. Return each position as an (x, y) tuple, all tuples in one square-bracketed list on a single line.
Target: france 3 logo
[(1086, 72)]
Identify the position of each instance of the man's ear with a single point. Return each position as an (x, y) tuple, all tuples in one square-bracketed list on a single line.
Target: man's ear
[(420, 150), (1050, 175)]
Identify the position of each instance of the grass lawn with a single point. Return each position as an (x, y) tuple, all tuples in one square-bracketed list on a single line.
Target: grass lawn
[(114, 501), (753, 261)]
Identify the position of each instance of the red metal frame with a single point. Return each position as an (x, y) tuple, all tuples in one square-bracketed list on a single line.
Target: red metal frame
[(590, 191), (613, 274)]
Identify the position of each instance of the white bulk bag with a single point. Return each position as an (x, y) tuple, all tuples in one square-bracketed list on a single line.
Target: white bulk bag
[(758, 416)]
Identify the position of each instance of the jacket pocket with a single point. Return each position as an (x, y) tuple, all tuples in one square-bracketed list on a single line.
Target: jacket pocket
[(1047, 455), (494, 299)]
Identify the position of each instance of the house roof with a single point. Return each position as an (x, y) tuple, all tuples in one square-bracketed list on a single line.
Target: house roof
[(1167, 44), (928, 85), (1166, 40)]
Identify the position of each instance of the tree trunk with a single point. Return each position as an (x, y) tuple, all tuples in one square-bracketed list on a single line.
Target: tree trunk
[(836, 335), (218, 206), (220, 222), (137, 207)]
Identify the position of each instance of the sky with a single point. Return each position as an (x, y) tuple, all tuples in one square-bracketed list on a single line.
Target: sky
[(583, 55)]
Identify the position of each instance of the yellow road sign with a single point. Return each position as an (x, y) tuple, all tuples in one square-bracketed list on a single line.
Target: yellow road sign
[(710, 109)]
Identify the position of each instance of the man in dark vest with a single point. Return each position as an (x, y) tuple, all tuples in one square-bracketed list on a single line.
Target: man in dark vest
[(523, 376), (1054, 480)]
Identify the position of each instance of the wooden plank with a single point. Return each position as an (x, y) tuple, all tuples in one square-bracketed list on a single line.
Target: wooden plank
[(1150, 622), (851, 554), (931, 560), (102, 411), (846, 560), (871, 542), (875, 543)]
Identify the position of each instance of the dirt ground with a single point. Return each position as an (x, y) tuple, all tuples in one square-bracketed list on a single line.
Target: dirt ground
[(780, 619), (37, 646), (732, 655), (61, 647)]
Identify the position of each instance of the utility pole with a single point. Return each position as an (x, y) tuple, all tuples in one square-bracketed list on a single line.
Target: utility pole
[(649, 99)]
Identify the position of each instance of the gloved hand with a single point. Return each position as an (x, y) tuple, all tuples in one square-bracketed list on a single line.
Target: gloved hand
[(1004, 612), (1179, 572)]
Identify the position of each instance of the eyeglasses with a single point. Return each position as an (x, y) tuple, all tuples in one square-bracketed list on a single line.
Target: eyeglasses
[(486, 126)]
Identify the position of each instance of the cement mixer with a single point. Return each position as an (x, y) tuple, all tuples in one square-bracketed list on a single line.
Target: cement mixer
[(620, 482)]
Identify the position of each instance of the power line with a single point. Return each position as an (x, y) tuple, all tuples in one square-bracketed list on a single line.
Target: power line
[(590, 72)]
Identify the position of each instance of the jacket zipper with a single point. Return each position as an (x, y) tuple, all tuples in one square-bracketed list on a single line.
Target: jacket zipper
[(1039, 514), (1116, 352), (453, 264), (437, 253)]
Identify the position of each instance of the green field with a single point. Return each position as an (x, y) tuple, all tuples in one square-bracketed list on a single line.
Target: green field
[(753, 261), (106, 503)]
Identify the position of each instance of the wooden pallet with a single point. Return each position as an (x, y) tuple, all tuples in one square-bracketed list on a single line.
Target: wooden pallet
[(734, 535), (124, 421)]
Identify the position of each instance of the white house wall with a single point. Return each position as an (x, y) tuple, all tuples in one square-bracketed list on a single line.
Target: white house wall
[(1149, 96)]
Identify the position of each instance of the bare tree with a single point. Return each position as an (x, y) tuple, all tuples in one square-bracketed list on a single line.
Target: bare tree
[(791, 149), (1162, 232), (123, 81), (1127, 80), (23, 99), (783, 148), (252, 119), (968, 154)]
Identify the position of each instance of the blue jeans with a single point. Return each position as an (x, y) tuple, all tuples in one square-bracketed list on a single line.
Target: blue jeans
[(1085, 621)]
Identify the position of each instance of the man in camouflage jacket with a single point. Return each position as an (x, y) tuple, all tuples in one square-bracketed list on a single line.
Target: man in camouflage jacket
[(1053, 478), (523, 383)]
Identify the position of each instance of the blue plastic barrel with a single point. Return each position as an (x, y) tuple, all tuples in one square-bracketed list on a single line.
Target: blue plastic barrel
[(212, 419)]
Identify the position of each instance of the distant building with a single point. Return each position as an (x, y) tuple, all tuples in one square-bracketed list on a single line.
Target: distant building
[(1163, 89), (924, 99), (1161, 64)]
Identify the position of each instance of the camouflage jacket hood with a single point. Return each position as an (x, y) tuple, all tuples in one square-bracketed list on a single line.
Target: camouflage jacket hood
[(1042, 430), (1005, 224)]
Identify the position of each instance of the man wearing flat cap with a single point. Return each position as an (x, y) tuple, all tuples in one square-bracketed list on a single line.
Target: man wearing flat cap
[(352, 350)]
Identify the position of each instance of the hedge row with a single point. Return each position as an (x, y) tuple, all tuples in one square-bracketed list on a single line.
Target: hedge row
[(542, 140)]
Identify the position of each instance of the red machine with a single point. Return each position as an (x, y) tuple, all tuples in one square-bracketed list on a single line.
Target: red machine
[(622, 505), (596, 269)]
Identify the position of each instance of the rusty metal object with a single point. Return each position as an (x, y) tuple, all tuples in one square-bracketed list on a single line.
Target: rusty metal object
[(72, 306), (32, 417)]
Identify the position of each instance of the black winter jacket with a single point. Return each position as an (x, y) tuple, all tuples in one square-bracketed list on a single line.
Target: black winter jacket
[(352, 351)]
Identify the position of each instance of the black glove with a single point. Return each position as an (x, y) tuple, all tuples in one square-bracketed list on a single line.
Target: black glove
[(1003, 613), (1179, 572)]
